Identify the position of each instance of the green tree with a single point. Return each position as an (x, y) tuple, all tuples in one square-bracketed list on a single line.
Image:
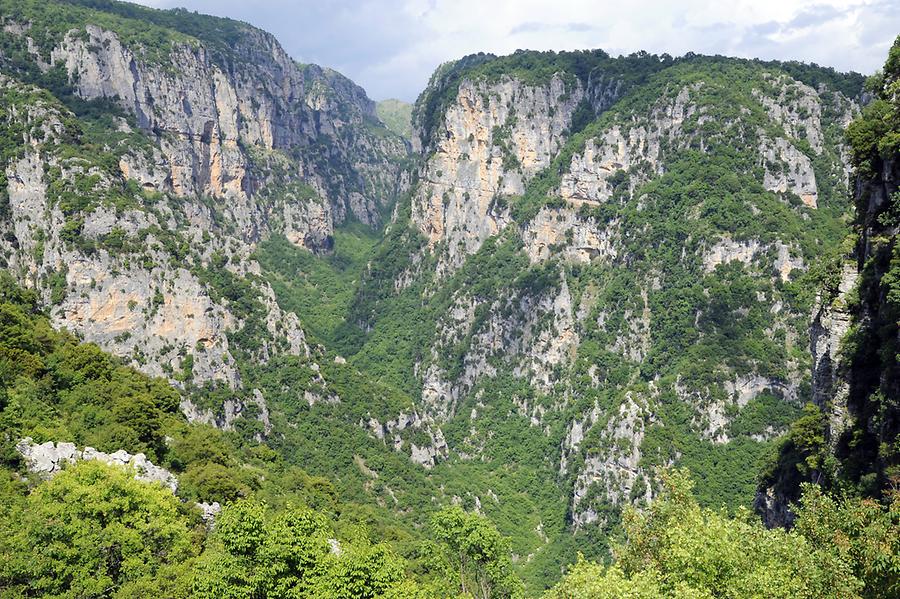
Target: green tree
[(253, 554), (92, 531), (361, 571), (590, 580), (213, 482), (678, 549), (471, 549), (863, 532)]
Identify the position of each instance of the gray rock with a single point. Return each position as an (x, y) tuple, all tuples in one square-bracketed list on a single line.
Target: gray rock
[(49, 458), (209, 511)]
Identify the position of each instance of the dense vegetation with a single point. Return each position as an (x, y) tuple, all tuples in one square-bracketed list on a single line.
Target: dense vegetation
[(92, 530), (677, 549), (148, 32)]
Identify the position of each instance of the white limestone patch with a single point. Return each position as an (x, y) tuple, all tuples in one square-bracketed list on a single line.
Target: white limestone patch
[(47, 459)]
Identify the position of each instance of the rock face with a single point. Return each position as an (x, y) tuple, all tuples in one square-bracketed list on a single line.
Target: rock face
[(212, 111), (795, 173), (592, 227), (592, 174), (426, 454), (140, 235), (494, 137), (614, 469), (497, 136), (854, 338), (830, 324), (854, 334), (774, 509), (747, 252), (582, 240), (231, 410), (46, 459), (133, 298)]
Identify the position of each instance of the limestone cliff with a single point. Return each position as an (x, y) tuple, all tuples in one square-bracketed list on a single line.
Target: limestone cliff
[(138, 191), (854, 333), (494, 136), (213, 112), (650, 236)]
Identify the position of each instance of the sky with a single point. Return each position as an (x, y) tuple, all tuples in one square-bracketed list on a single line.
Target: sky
[(391, 47)]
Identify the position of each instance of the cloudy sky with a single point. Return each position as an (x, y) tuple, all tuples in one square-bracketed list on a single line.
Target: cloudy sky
[(390, 47)]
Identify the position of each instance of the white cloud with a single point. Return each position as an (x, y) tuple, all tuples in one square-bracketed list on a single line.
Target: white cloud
[(391, 47)]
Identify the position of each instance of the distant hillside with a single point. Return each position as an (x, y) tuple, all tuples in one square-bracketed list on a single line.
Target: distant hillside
[(396, 116)]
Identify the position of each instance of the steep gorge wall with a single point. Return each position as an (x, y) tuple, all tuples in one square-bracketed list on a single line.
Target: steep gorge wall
[(141, 236), (211, 112), (493, 138), (119, 283), (851, 442), (610, 233)]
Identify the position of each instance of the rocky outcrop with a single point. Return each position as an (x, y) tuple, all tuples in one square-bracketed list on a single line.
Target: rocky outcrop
[(611, 467), (493, 138), (209, 511), (630, 154), (798, 108), (634, 149), (789, 169), (531, 332), (46, 459), (748, 252), (774, 509), (210, 111), (563, 231), (431, 447), (231, 410), (549, 338), (831, 322), (712, 419)]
